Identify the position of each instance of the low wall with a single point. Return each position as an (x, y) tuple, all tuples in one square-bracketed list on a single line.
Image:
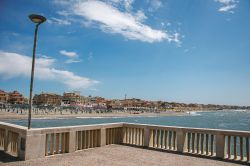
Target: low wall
[(36, 143), (12, 139)]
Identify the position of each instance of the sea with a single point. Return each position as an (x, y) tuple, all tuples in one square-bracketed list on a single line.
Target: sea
[(229, 119)]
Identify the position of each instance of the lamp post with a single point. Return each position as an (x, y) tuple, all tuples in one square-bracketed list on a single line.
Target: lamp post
[(37, 19)]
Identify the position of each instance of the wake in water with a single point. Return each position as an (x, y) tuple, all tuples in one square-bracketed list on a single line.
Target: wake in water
[(194, 113), (239, 110)]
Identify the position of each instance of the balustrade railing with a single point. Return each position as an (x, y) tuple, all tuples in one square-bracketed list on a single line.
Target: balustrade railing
[(40, 142), (163, 139), (87, 139), (113, 135), (10, 139), (133, 136), (237, 147), (201, 143), (12, 143), (56, 143), (2, 133)]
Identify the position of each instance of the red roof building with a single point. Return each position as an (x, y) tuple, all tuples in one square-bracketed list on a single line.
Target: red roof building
[(16, 98), (3, 96)]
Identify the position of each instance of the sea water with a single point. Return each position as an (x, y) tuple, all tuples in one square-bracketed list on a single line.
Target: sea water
[(232, 120)]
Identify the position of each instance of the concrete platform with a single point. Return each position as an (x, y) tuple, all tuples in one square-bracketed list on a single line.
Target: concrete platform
[(117, 155)]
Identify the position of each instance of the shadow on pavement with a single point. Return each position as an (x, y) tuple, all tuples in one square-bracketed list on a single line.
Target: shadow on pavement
[(6, 158)]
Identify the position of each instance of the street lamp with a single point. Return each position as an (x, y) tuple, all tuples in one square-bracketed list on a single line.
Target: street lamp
[(38, 19)]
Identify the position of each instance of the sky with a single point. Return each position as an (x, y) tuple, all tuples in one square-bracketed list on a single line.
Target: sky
[(189, 51)]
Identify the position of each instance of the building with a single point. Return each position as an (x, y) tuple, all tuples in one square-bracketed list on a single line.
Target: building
[(115, 104), (47, 99), (132, 102), (16, 98), (4, 96), (72, 98)]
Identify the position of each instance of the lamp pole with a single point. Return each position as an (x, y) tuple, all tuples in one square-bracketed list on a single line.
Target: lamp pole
[(38, 20)]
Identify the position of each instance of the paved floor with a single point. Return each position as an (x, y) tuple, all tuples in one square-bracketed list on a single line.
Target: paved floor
[(118, 155)]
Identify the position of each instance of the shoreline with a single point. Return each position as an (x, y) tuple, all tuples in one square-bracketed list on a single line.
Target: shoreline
[(8, 115)]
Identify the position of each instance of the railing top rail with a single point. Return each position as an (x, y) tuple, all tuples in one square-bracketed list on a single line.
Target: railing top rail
[(13, 127), (74, 128), (190, 129)]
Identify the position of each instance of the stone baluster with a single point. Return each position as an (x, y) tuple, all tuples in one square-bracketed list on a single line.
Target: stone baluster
[(181, 140), (147, 137), (220, 146), (103, 137)]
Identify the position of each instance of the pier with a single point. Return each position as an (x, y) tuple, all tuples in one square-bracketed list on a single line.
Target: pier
[(225, 145)]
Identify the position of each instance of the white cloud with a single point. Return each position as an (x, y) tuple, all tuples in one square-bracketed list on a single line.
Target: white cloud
[(63, 2), (59, 21), (126, 4), (44, 70), (140, 16), (63, 13), (227, 5), (154, 5), (111, 20), (227, 8), (68, 53), (72, 61), (73, 56)]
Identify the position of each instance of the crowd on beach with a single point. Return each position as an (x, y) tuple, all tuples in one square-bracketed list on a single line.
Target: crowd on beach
[(59, 110)]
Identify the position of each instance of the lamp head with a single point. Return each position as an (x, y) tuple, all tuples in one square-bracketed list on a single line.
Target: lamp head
[(37, 18)]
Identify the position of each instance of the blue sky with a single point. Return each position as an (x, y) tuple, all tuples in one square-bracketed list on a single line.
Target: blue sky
[(189, 51)]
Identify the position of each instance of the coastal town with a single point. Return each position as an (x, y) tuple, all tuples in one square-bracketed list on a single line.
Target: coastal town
[(76, 102)]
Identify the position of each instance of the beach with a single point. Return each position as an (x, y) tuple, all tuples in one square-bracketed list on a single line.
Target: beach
[(52, 115)]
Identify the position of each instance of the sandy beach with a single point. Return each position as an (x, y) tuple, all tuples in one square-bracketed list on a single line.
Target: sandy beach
[(11, 115)]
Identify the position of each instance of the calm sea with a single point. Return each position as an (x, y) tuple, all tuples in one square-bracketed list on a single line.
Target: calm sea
[(234, 120)]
